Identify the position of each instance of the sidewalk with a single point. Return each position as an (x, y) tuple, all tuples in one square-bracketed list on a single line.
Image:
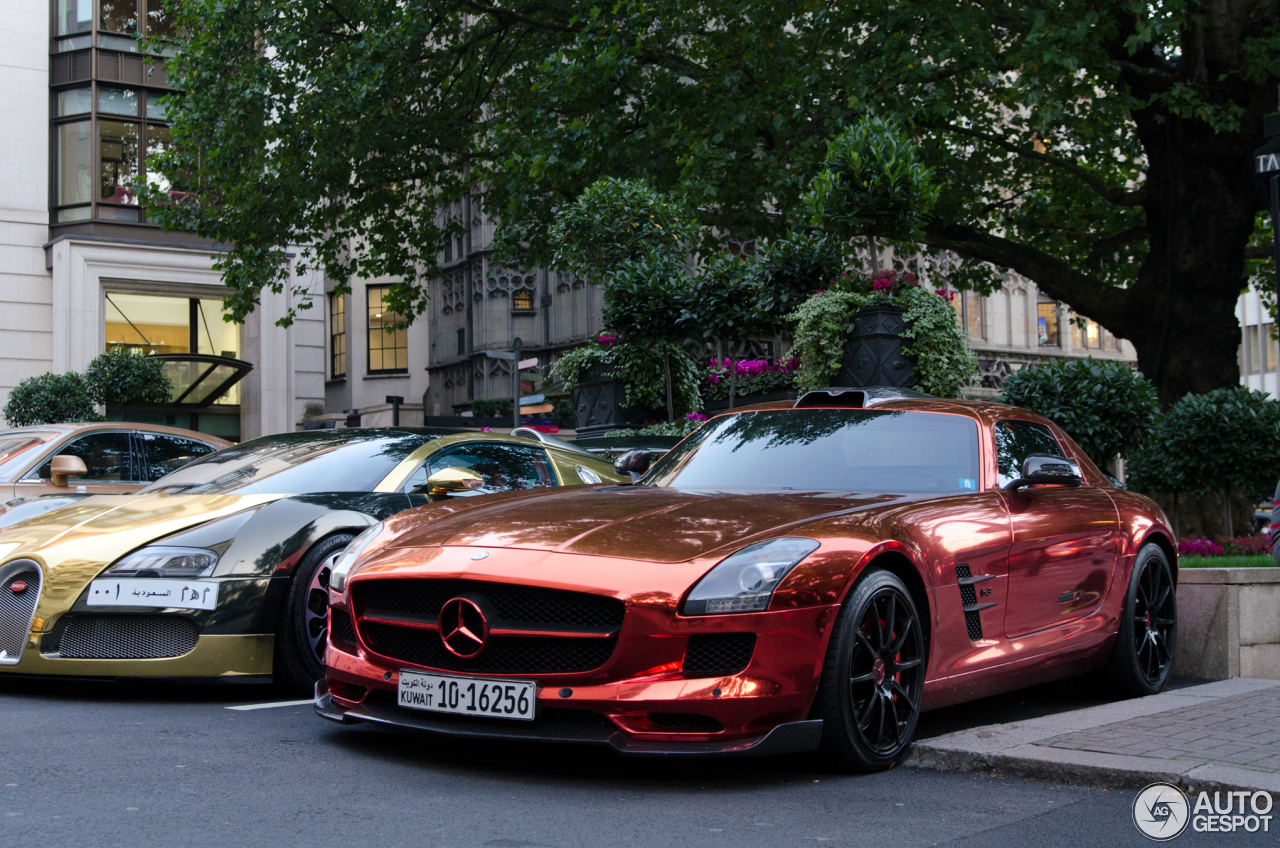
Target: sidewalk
[(1223, 735)]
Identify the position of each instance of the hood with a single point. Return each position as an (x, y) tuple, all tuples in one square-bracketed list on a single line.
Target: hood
[(654, 524)]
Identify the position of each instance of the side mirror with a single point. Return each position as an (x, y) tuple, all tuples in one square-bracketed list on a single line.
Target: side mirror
[(66, 466), (449, 480), (633, 463), (1046, 470)]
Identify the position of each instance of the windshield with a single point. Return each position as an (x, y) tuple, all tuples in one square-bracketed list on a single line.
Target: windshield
[(17, 449), (294, 463), (827, 450)]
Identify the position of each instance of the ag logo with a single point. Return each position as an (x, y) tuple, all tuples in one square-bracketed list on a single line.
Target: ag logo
[(1161, 811)]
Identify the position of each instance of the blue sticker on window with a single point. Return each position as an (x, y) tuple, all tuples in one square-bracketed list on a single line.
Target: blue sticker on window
[(968, 483)]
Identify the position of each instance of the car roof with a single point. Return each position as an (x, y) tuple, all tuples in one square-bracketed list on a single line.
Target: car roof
[(88, 426)]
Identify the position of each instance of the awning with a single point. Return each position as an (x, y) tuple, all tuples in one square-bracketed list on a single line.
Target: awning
[(199, 379)]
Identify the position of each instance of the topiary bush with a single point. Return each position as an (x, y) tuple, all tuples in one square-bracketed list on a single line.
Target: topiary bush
[(122, 377), (1106, 407), (50, 399)]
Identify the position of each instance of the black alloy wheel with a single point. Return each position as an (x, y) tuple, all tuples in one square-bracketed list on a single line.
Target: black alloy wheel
[(303, 634), (1147, 640), (873, 676)]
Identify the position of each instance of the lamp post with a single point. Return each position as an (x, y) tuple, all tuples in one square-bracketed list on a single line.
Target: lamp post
[(516, 344), (1266, 182)]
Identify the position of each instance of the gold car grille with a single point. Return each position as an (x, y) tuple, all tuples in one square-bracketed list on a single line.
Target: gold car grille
[(127, 637), (19, 589)]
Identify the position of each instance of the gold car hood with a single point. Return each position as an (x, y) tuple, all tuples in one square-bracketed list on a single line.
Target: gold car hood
[(74, 543)]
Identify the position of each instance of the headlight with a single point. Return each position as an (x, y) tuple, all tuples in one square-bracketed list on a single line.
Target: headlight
[(166, 561), (744, 581), (341, 568)]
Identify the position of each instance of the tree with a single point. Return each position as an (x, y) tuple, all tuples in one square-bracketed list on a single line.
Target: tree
[(122, 377), (1100, 149), (50, 399), (1106, 407)]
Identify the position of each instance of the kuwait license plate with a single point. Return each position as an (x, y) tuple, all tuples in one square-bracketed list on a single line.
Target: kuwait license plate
[(442, 693), (157, 593)]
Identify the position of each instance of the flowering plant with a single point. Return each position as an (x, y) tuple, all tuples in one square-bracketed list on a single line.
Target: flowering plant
[(1229, 546), (1198, 547), (755, 377)]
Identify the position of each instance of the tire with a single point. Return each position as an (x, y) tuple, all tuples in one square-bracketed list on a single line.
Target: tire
[(872, 677), (1142, 656), (303, 632)]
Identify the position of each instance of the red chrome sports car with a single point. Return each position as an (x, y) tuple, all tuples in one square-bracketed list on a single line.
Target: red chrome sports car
[(785, 579)]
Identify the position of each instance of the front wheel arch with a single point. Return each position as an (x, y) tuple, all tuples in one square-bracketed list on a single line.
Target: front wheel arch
[(905, 570)]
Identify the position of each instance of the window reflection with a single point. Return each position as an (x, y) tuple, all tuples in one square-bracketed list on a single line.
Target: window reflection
[(117, 101), (76, 101), (75, 163), (119, 16), (118, 161), (74, 16)]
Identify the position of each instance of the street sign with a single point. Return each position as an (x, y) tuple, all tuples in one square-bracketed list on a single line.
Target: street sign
[(537, 409), (528, 363), (533, 399)]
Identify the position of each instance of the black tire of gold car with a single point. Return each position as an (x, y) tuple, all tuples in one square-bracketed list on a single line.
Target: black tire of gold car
[(1142, 656), (872, 677), (302, 634)]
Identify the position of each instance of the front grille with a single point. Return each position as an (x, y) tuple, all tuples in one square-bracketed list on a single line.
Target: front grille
[(424, 598), (127, 637), (527, 608), (502, 654), (718, 654), (686, 722), (342, 632), (17, 608)]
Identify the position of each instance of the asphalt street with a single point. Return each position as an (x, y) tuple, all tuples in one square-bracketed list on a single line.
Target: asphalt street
[(149, 764)]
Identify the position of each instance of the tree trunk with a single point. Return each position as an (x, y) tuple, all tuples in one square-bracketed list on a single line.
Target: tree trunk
[(733, 377), (1226, 513), (666, 368), (1177, 534)]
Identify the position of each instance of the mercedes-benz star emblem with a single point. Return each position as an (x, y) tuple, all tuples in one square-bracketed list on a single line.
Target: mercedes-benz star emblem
[(479, 554), (463, 628)]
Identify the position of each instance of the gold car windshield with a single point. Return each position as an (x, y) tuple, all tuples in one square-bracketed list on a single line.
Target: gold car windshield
[(294, 463), (827, 450)]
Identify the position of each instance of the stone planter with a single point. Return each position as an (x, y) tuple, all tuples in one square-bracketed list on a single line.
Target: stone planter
[(1228, 623), (714, 406), (873, 352), (600, 404)]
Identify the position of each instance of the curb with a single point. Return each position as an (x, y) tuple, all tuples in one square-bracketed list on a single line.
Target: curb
[(1010, 749)]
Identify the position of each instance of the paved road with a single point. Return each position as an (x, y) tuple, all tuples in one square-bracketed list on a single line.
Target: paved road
[(163, 765)]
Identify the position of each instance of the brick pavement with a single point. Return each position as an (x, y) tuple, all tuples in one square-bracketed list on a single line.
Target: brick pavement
[(1241, 731)]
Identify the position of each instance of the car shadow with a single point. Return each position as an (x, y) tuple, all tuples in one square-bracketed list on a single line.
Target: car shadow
[(154, 691)]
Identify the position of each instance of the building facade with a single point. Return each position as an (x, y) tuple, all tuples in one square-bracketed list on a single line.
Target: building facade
[(82, 270), (1258, 345)]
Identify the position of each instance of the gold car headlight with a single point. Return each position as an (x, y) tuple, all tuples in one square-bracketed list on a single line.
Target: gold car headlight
[(166, 561)]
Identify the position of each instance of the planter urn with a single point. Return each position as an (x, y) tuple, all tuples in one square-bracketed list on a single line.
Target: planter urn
[(873, 351), (600, 404)]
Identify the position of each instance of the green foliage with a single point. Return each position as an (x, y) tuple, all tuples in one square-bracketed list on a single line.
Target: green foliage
[(1105, 406), (944, 361), (643, 296), (1212, 442), (762, 383), (680, 427), (492, 408), (722, 303), (789, 271), (640, 368), (122, 377), (619, 221), (874, 183), (50, 399), (572, 367)]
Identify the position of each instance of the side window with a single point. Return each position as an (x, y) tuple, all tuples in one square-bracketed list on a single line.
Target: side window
[(163, 453), (106, 455), (1017, 440), (502, 466)]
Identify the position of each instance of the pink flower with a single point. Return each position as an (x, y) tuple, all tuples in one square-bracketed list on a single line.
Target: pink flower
[(882, 284), (1198, 547), (819, 291), (607, 340), (949, 295), (696, 417)]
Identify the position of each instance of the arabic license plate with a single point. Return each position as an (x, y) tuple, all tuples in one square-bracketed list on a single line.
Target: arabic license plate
[(443, 693), (156, 593)]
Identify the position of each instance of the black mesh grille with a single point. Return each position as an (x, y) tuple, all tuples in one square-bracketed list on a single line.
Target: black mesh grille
[(342, 632), (718, 654), (969, 597), (16, 609), (127, 637), (502, 654), (424, 598), (686, 722)]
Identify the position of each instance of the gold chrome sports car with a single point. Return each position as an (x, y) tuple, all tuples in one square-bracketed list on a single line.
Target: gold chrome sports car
[(220, 569)]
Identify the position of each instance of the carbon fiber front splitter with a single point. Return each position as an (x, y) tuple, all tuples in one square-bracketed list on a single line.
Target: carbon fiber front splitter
[(790, 738)]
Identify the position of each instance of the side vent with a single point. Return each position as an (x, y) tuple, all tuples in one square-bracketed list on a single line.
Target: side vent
[(969, 598)]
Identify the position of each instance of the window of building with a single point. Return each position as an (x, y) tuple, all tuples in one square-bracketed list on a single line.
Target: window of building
[(1047, 324), (1093, 334), (158, 324), (388, 345), (973, 307), (1268, 348), (462, 341), (522, 300), (337, 336), (1252, 350)]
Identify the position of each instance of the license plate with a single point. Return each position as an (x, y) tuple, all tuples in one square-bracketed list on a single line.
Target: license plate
[(157, 593), (443, 693)]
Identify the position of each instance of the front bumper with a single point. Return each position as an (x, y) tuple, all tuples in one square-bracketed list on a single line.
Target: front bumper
[(226, 656), (788, 738)]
